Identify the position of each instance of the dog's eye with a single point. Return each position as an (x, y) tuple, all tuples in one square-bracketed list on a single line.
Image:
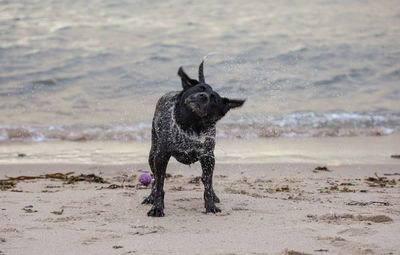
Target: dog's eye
[(202, 88)]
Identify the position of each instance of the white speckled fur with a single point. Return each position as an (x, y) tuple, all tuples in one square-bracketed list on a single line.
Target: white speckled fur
[(180, 140)]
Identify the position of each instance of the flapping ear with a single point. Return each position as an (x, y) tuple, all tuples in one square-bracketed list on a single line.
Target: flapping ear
[(187, 82), (233, 103)]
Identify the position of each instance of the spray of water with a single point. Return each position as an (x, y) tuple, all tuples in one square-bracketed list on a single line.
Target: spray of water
[(211, 54)]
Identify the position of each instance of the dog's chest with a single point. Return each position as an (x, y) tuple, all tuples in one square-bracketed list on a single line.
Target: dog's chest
[(188, 149), (189, 142)]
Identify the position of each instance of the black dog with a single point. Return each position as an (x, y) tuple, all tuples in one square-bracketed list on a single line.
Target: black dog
[(184, 127)]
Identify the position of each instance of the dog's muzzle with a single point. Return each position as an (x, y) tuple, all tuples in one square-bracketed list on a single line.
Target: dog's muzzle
[(198, 103), (198, 98)]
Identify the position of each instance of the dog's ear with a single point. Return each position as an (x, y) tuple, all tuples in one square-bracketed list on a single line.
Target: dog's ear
[(233, 103), (201, 73), (187, 82)]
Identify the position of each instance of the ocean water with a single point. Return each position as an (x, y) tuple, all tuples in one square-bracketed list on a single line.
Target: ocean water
[(93, 70)]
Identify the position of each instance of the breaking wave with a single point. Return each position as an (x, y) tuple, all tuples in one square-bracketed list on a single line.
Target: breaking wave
[(300, 124)]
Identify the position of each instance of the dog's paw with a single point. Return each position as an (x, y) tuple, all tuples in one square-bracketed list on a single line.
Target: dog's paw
[(156, 211), (148, 200), (215, 199), (212, 209)]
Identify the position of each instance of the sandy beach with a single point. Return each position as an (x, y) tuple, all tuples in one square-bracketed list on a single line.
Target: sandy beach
[(267, 208), (303, 167)]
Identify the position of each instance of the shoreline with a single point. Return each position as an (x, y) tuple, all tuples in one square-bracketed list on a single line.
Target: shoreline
[(327, 150)]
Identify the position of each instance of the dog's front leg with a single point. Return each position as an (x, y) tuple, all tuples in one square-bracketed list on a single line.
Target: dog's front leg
[(160, 163), (207, 165)]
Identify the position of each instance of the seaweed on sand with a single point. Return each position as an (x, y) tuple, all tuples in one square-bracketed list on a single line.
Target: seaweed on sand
[(321, 168), (85, 177), (60, 176), (195, 180), (58, 212), (378, 181), (67, 177), (6, 185)]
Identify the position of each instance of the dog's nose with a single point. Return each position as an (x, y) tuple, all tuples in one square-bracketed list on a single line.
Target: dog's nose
[(202, 96)]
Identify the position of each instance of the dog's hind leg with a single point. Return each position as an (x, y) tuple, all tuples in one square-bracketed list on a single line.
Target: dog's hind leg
[(215, 198), (160, 166), (207, 165), (150, 198)]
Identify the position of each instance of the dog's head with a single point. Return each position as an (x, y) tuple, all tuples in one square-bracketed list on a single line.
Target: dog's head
[(202, 100)]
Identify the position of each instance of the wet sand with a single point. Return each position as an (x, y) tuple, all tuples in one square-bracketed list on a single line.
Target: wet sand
[(267, 208), (318, 150)]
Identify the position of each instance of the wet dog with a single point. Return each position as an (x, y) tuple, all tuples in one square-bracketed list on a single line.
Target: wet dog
[(184, 127)]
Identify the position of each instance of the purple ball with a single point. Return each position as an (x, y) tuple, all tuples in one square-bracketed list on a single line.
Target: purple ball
[(145, 179)]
